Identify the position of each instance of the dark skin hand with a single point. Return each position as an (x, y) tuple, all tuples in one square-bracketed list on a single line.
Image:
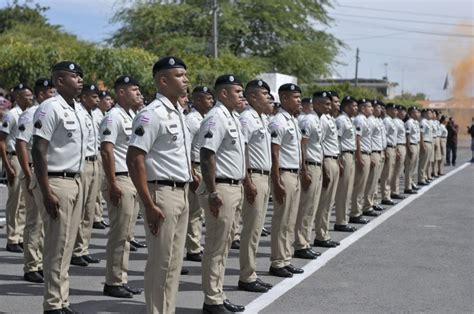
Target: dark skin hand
[(250, 190), (278, 185), (305, 176), (23, 158), (208, 169), (11, 173), (108, 161)]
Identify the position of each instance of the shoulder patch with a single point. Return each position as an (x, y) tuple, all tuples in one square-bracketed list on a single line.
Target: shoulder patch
[(139, 131), (106, 132), (21, 127), (38, 124), (274, 134), (358, 128), (5, 124), (208, 134)]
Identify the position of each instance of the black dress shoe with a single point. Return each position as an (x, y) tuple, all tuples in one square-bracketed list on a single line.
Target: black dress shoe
[(133, 248), (233, 307), (184, 271), (315, 253), (14, 247), (304, 254), (294, 270), (139, 216), (397, 197), (194, 257), (410, 192), (370, 213), (105, 223), (324, 243), (344, 228), (79, 261), (138, 244), (33, 276), (21, 245), (41, 273), (98, 225), (280, 272), (388, 202), (358, 220), (254, 286), (57, 311), (235, 245), (68, 310), (135, 291), (378, 208), (265, 284), (265, 232), (214, 309), (117, 292), (90, 259), (422, 183)]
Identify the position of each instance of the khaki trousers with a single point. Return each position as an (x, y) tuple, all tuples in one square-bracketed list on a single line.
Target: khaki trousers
[(122, 222), (15, 207), (237, 225), (166, 249), (253, 218), (387, 172), (90, 187), (217, 241), (59, 237), (34, 232), (424, 164), (438, 155), (398, 169), (360, 182), (99, 209), (442, 146), (410, 165), (309, 200), (326, 202), (193, 235), (372, 181), (345, 187)]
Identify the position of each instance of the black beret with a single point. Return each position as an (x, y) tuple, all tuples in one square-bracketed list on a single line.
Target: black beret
[(258, 84), (289, 87), (125, 80), (68, 66), (348, 100), (400, 107), (228, 79), (413, 108), (103, 93), (391, 105), (375, 102), (363, 101), (202, 90), (166, 63), (44, 82), (90, 88), (322, 94), (334, 93), (20, 87), (306, 100)]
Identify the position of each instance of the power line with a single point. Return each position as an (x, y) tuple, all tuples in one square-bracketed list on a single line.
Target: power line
[(407, 57), (404, 20), (375, 36), (404, 12)]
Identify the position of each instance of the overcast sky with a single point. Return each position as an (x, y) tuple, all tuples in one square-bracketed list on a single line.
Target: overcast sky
[(394, 37)]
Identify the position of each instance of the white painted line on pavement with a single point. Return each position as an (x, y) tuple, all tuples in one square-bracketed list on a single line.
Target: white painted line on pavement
[(287, 284)]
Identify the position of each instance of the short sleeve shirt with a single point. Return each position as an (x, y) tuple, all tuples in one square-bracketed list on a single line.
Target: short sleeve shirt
[(377, 129), (193, 122), (116, 128), (391, 131), (311, 129), (284, 131), (9, 127), (91, 134), (364, 130), (329, 139), (401, 134), (444, 131), (160, 131), (413, 131), (427, 130), (97, 117), (434, 128), (63, 126), (221, 133), (346, 132), (25, 127), (257, 136)]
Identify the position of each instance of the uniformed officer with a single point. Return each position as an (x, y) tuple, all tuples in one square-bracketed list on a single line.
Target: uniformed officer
[(89, 178), (159, 159), (311, 177), (412, 131), (347, 138), (306, 108), (203, 100), (443, 137), (436, 143), (115, 131), (362, 160), (390, 153), (15, 207), (223, 168), (426, 148), (254, 122), (400, 153), (58, 153), (34, 232)]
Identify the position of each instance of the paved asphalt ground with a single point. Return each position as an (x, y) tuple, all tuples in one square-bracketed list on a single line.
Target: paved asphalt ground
[(419, 260)]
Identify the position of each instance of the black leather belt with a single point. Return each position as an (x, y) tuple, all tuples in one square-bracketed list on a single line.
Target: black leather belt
[(124, 174), (365, 153), (264, 172), (30, 164), (228, 181), (427, 141), (390, 146), (348, 152), (290, 170), (413, 143), (196, 163), (91, 158), (332, 157), (63, 174), (169, 183), (401, 144), (376, 152), (11, 153), (312, 163)]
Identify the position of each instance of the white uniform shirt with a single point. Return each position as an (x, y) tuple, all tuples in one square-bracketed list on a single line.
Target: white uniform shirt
[(285, 132), (300, 117), (346, 133), (427, 130), (391, 131), (311, 129), (444, 131), (364, 130), (25, 127), (160, 130), (257, 136), (329, 140), (193, 122), (401, 134), (97, 117), (438, 124), (116, 128), (434, 128), (377, 129), (91, 133), (9, 126), (383, 132), (221, 133), (63, 126), (412, 129)]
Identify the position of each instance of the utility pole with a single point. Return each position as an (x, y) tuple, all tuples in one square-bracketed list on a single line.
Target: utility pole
[(357, 68), (215, 10)]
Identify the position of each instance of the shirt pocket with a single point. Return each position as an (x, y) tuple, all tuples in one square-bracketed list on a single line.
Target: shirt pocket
[(172, 133), (70, 126)]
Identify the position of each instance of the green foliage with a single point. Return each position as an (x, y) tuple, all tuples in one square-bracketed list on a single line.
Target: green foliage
[(17, 14), (343, 90)]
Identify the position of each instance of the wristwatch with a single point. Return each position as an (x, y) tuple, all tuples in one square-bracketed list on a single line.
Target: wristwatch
[(213, 195)]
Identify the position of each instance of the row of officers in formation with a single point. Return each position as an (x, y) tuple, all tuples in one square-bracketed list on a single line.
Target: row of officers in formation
[(71, 146)]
